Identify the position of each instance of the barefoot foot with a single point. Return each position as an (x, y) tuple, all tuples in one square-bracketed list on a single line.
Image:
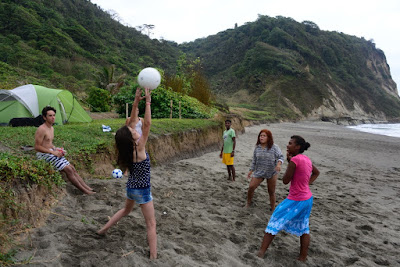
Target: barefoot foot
[(303, 259), (260, 254), (102, 233)]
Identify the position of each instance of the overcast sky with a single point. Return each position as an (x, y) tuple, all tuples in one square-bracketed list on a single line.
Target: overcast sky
[(186, 20)]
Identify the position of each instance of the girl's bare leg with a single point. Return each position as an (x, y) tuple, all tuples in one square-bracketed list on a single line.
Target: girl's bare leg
[(148, 213), (271, 191), (254, 183), (265, 244), (117, 216), (304, 243)]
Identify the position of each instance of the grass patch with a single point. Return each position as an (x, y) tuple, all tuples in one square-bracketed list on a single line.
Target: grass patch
[(78, 138), (257, 115), (248, 106), (250, 113), (7, 259)]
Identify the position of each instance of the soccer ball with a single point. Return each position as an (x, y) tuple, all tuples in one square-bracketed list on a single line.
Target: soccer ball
[(149, 78), (117, 173)]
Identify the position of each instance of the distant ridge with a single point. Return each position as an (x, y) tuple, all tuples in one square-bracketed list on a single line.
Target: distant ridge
[(278, 66)]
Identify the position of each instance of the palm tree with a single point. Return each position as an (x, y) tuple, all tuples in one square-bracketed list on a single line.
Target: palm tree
[(106, 79)]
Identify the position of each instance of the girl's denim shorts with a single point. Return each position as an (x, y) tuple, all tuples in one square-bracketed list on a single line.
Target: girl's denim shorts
[(139, 195)]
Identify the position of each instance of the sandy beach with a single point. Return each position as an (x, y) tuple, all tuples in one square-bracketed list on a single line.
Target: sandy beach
[(201, 219)]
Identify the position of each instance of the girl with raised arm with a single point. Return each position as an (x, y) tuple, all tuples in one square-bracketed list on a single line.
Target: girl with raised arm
[(132, 156)]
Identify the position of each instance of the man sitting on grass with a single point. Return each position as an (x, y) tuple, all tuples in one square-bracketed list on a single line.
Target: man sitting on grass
[(46, 150)]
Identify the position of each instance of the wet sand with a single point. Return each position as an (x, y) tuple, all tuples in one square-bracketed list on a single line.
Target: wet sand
[(201, 219)]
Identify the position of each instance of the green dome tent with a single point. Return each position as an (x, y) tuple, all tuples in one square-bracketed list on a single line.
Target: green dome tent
[(29, 100)]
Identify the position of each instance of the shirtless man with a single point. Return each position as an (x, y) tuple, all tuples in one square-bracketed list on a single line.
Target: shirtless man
[(46, 150)]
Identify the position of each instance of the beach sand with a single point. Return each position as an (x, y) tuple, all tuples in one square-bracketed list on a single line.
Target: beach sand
[(201, 219)]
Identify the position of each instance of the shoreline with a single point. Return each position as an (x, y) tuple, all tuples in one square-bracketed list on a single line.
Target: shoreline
[(201, 220), (386, 129)]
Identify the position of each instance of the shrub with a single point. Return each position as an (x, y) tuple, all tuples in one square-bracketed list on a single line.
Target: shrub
[(99, 99), (191, 108)]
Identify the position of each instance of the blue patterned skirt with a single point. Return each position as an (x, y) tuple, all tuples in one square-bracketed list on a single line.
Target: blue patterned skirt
[(291, 216)]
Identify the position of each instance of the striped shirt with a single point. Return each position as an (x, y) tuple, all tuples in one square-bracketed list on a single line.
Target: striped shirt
[(265, 160)]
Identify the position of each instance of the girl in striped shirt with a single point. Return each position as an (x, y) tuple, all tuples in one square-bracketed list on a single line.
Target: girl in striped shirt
[(266, 164)]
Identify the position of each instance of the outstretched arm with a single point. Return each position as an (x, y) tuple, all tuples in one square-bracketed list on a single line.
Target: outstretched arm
[(147, 118), (134, 119)]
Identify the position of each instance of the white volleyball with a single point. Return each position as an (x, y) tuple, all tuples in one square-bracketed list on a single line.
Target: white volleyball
[(149, 78)]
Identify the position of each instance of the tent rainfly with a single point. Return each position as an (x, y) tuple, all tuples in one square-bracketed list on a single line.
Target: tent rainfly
[(29, 100)]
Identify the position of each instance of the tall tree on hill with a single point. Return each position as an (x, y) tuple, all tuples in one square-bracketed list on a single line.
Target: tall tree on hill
[(189, 80), (200, 87), (147, 27)]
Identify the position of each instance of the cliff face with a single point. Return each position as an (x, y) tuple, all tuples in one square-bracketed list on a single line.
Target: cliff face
[(362, 109), (343, 104), (335, 108), (379, 67)]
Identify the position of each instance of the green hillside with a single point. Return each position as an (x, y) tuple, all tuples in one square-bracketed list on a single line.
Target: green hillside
[(273, 66), (66, 44), (276, 58)]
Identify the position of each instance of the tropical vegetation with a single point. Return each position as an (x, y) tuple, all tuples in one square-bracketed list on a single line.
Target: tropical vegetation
[(276, 65)]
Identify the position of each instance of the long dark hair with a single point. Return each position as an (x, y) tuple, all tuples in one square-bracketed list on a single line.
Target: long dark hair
[(270, 139), (125, 146), (300, 141)]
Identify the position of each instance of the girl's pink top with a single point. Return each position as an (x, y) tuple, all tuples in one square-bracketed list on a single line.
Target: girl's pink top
[(299, 188)]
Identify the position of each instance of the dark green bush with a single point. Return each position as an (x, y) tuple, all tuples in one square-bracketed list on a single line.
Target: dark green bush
[(191, 108), (99, 99), (30, 171)]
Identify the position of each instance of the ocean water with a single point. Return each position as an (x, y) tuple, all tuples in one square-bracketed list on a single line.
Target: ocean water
[(389, 129)]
